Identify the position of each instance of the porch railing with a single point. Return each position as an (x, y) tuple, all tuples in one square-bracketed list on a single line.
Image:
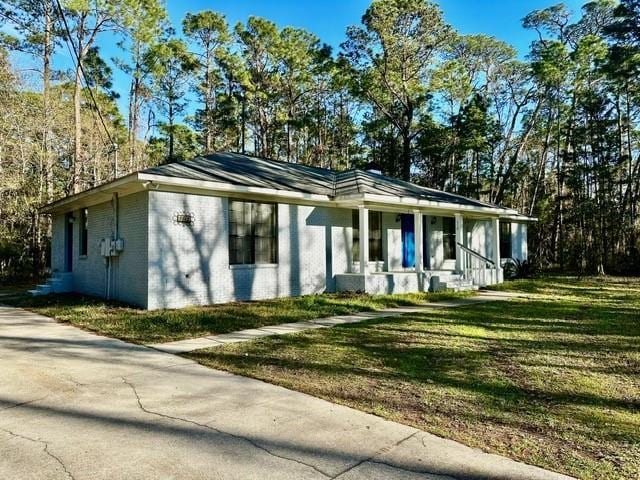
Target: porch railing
[(477, 268)]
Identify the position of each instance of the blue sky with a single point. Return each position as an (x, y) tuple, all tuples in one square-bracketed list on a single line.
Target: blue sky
[(329, 19)]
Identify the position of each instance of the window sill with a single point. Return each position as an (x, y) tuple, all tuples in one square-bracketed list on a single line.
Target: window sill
[(83, 257), (252, 266)]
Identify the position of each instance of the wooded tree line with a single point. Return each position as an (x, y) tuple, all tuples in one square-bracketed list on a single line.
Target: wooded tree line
[(554, 135)]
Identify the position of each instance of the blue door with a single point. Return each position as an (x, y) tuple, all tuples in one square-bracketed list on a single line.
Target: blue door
[(408, 241)]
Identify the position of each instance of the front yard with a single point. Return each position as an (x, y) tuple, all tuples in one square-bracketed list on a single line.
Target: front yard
[(552, 381), (142, 326)]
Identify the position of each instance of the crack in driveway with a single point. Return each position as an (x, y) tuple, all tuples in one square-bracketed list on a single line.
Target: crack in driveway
[(387, 449), (45, 449), (21, 404), (222, 432)]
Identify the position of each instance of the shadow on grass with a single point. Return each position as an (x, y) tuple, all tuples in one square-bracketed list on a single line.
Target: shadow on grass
[(563, 370)]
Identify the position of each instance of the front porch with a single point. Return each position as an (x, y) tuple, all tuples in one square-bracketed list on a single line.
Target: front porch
[(424, 250)]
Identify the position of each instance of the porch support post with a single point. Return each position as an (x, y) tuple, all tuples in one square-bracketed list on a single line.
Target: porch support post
[(495, 222), (363, 217), (417, 231), (459, 239)]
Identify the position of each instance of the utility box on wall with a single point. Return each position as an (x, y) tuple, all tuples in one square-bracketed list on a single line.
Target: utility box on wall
[(111, 248)]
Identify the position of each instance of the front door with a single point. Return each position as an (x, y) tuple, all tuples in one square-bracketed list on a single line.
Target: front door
[(408, 241), (68, 242)]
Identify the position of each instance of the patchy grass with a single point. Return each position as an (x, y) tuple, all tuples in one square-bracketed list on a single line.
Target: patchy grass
[(143, 326), (10, 289), (551, 380)]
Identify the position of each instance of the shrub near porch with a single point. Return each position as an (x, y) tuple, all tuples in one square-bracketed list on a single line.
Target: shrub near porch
[(551, 381)]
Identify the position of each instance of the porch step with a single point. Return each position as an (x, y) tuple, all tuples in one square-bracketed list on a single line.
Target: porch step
[(452, 281), (463, 286), (59, 282), (42, 289)]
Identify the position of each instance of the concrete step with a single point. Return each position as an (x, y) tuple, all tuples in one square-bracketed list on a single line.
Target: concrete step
[(451, 277), (43, 289), (459, 284), (463, 288), (61, 282)]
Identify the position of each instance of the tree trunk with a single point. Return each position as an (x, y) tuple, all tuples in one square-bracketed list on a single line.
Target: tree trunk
[(406, 156), (46, 79), (77, 121), (208, 103), (134, 110), (171, 139), (244, 123)]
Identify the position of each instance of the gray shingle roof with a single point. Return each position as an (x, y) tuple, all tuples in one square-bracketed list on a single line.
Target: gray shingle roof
[(249, 171)]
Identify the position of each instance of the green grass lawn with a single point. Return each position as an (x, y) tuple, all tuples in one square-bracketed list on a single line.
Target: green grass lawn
[(553, 380), (142, 326)]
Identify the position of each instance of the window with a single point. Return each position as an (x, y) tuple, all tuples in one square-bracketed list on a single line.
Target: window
[(505, 239), (449, 237), (375, 235), (252, 233), (84, 231)]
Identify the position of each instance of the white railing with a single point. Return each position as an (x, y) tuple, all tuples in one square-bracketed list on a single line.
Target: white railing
[(477, 268)]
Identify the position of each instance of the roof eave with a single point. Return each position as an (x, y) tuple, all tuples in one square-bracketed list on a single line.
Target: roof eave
[(156, 181), (140, 181), (419, 203), (106, 188), (520, 218)]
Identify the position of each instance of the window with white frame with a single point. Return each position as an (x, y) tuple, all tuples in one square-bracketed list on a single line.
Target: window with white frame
[(252, 233), (375, 236)]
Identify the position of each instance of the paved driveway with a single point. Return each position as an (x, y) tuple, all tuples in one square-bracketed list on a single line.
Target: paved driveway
[(74, 405)]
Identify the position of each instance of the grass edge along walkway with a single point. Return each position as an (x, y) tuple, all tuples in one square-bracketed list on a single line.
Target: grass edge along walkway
[(189, 345), (140, 326)]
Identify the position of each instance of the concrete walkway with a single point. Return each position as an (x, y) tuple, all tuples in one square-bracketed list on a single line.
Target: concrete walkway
[(183, 346)]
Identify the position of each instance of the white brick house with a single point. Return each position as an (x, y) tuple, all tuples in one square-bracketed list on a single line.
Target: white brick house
[(233, 227)]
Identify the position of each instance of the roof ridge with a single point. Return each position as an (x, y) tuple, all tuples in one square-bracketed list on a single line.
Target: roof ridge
[(274, 160)]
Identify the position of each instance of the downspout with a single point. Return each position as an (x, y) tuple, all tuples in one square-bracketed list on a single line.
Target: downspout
[(114, 236)]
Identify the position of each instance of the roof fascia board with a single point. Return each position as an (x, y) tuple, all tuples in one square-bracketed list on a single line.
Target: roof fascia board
[(519, 218), (429, 204), (105, 188)]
